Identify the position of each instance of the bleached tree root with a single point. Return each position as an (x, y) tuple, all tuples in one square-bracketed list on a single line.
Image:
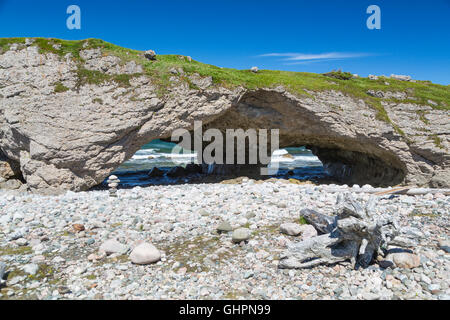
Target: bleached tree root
[(356, 235)]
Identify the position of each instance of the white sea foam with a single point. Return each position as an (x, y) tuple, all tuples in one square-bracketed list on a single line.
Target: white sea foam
[(279, 156)]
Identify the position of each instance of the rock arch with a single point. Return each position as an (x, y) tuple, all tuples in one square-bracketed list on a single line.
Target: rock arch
[(73, 139), (348, 155)]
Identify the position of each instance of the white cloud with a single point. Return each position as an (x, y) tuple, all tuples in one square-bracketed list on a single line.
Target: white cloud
[(303, 58)]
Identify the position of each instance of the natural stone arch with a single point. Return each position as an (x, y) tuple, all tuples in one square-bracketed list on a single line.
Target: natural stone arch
[(370, 151), (74, 138), (349, 158)]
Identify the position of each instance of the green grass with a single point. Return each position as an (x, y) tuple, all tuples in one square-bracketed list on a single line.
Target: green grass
[(59, 87), (298, 83), (339, 75), (302, 220), (12, 251), (437, 141), (97, 100)]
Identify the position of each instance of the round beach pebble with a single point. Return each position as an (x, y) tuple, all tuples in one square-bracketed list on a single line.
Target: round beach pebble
[(404, 260), (113, 246), (241, 234), (308, 231), (145, 253), (224, 227), (291, 229)]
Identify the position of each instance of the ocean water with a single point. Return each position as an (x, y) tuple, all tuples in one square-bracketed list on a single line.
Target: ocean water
[(297, 163)]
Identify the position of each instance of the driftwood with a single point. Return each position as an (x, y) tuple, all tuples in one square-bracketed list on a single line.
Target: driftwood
[(411, 191), (2, 273), (321, 222), (357, 236)]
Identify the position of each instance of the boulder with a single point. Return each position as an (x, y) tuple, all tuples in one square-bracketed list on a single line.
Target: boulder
[(113, 246), (291, 229), (145, 253), (193, 168), (400, 77), (224, 227), (404, 260), (176, 172), (11, 184), (307, 231), (155, 172), (241, 234), (150, 55), (444, 245), (377, 94), (31, 268)]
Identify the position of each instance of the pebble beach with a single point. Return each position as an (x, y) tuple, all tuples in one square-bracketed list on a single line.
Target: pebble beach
[(205, 241)]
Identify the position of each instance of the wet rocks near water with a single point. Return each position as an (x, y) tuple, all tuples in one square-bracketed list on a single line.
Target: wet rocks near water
[(176, 172), (155, 172), (193, 168)]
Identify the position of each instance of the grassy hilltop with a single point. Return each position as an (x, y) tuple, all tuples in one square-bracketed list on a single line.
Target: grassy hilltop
[(298, 83)]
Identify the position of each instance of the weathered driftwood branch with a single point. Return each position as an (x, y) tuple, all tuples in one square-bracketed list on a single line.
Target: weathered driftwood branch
[(353, 234), (411, 191), (2, 273), (321, 222)]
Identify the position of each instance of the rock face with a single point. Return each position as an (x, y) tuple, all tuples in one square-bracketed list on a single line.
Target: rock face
[(74, 137)]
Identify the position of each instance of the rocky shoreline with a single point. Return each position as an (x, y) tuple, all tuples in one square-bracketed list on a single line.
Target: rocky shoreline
[(208, 241)]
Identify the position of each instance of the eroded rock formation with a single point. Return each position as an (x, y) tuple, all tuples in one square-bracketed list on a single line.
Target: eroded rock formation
[(58, 133)]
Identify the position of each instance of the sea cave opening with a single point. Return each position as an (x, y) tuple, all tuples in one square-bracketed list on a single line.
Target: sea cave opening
[(159, 163)]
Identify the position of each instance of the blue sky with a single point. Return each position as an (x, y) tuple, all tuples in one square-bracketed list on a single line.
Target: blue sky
[(296, 35)]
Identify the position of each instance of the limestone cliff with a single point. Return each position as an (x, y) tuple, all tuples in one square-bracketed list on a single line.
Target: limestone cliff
[(71, 112)]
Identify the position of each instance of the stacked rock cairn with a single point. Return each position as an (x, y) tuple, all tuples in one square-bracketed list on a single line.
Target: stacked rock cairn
[(113, 183)]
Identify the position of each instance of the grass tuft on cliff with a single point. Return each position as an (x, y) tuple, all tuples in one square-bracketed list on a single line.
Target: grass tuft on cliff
[(299, 83)]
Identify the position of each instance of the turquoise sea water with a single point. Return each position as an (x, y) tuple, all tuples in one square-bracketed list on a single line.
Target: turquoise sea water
[(299, 162)]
